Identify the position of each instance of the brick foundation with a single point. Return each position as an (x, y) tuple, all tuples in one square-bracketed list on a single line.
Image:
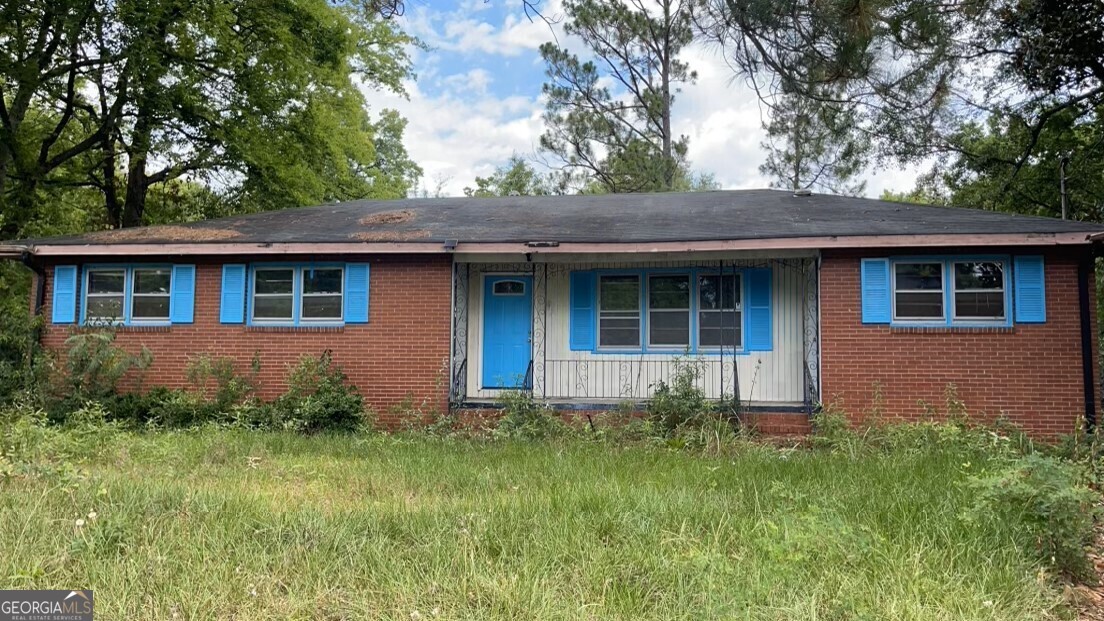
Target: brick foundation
[(401, 354), (1029, 374)]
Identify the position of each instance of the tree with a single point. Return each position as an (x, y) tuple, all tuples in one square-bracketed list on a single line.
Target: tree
[(987, 174), (618, 136), (134, 93), (917, 70), (810, 145), (515, 178)]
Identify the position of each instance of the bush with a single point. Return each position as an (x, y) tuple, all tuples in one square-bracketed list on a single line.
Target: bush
[(681, 401), (524, 418), (217, 381), (181, 408), (92, 369), (1045, 504), (318, 398)]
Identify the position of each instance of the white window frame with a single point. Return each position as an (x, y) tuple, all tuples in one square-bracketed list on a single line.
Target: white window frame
[(1003, 290), (132, 279), (738, 308), (89, 319), (689, 310), (303, 295), (640, 306), (942, 290), (254, 295)]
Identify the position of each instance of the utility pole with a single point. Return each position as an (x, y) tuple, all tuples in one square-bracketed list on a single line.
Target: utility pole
[(1062, 179)]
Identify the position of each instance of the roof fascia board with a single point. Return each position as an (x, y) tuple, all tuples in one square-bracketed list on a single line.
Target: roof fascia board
[(778, 243)]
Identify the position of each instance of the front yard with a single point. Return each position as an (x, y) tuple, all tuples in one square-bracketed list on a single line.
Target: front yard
[(234, 524)]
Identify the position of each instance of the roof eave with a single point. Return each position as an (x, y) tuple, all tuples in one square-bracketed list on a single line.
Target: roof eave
[(776, 243)]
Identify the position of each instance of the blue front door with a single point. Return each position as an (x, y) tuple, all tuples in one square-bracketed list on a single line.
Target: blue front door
[(507, 326)]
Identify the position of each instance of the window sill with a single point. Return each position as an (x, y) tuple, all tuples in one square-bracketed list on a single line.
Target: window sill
[(288, 329), (952, 329), (161, 327)]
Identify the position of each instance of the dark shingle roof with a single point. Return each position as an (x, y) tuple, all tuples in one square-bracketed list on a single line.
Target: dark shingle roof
[(722, 215)]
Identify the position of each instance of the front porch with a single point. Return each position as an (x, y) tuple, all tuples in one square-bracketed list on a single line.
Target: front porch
[(750, 324)]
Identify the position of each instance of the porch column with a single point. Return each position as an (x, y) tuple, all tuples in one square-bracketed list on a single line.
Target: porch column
[(458, 381)]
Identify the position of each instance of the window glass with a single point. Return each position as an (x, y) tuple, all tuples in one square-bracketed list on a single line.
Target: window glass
[(509, 287), (720, 311), (918, 291), (619, 311), (272, 294), (106, 282), (979, 290), (274, 281), (321, 294), (104, 300), (150, 299), (669, 310)]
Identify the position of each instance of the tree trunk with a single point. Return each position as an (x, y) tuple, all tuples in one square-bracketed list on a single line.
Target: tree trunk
[(665, 77), (134, 204)]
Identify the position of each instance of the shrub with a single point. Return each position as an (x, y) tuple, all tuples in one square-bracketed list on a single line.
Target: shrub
[(318, 398), (217, 380), (92, 371), (1045, 504), (675, 404), (524, 418), (180, 408)]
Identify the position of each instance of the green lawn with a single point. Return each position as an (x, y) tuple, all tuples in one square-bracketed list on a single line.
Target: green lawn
[(221, 524)]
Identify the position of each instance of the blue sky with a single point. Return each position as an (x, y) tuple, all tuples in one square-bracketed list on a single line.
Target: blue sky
[(476, 99)]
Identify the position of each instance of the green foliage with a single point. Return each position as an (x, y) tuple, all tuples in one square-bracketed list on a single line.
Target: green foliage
[(1044, 505), (814, 145), (125, 96), (681, 401), (986, 172), (516, 178), (219, 382), (523, 418), (318, 398), (94, 366)]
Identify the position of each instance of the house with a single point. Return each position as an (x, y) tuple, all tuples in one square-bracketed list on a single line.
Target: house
[(787, 300)]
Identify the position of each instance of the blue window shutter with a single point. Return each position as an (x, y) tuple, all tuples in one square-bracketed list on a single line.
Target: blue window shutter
[(875, 291), (583, 310), (1030, 289), (182, 294), (232, 308), (64, 307), (356, 293), (759, 310)]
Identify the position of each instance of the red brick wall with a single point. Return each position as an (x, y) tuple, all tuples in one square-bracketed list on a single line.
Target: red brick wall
[(401, 353), (1030, 374)]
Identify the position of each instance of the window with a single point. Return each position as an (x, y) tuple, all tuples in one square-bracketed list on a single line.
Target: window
[(720, 311), (150, 298), (321, 294), (273, 294), (918, 291), (298, 294), (619, 311), (669, 310), (979, 290), (509, 287), (106, 294)]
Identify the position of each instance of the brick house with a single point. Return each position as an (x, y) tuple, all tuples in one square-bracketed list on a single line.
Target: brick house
[(786, 301)]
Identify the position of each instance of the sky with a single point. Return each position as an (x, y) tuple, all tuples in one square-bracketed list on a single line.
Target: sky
[(476, 99)]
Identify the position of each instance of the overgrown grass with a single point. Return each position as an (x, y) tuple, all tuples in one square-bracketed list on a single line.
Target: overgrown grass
[(224, 523)]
